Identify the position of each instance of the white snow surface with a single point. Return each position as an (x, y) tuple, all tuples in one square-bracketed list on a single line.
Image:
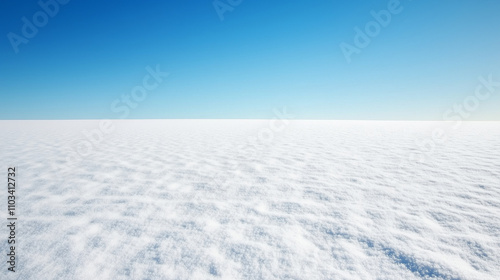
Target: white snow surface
[(235, 199)]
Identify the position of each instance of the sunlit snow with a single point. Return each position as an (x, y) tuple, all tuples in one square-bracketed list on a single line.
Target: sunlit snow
[(242, 199)]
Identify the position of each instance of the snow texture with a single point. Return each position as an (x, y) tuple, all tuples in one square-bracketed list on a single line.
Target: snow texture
[(239, 199)]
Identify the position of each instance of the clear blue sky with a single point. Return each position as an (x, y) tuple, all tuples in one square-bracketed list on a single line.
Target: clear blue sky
[(263, 55)]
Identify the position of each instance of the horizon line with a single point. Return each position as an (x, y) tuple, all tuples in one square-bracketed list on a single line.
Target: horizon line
[(290, 119)]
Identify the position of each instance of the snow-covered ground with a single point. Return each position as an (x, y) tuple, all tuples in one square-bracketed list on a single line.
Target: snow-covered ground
[(236, 199)]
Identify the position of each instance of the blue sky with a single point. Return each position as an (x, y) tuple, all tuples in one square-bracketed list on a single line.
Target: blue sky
[(262, 55)]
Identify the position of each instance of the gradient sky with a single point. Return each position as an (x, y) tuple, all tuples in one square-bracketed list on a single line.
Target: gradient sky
[(263, 55)]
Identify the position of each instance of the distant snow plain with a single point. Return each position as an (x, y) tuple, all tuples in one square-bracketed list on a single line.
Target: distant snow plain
[(233, 199)]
